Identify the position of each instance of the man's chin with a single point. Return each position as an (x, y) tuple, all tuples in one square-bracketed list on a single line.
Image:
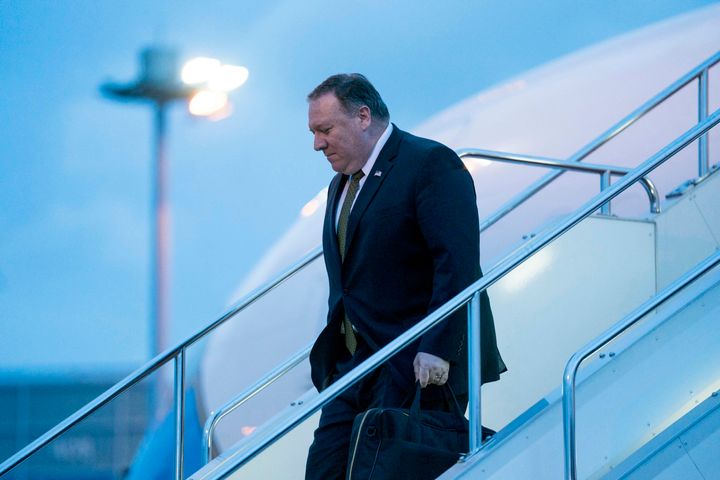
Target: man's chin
[(337, 167)]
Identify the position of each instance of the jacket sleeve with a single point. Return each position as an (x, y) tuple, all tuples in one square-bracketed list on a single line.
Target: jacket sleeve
[(447, 215)]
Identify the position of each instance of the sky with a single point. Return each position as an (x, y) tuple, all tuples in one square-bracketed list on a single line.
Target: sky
[(75, 167)]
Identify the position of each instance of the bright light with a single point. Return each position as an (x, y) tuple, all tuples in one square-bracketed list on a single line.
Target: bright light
[(227, 78), (213, 75), (200, 70), (213, 80), (207, 103)]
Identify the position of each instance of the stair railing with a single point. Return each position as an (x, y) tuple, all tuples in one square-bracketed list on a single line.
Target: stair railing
[(176, 354), (228, 407), (699, 73), (266, 435), (605, 172), (560, 166), (573, 364)]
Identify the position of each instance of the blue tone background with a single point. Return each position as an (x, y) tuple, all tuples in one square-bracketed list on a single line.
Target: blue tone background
[(75, 167)]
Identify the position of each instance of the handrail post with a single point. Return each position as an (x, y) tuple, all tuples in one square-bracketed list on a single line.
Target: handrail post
[(652, 194), (207, 445), (568, 405), (475, 374), (703, 150), (215, 416), (604, 185), (179, 412)]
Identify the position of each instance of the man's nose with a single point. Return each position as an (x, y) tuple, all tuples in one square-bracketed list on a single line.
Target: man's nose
[(319, 143)]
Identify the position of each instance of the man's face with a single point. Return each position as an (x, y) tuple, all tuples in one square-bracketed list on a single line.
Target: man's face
[(343, 137)]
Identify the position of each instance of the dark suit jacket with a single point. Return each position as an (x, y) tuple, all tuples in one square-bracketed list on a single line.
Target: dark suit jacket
[(412, 244)]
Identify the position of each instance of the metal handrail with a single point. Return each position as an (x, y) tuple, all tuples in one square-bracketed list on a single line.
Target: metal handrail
[(179, 349), (229, 406), (573, 364), (230, 461), (700, 72), (605, 171), (177, 354)]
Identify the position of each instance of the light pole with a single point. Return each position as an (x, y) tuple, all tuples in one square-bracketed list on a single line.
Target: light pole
[(203, 83)]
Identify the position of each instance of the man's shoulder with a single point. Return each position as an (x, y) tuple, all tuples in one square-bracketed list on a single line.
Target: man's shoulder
[(421, 143), (425, 154)]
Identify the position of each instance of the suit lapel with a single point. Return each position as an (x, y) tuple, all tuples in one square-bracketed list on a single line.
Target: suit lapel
[(372, 184)]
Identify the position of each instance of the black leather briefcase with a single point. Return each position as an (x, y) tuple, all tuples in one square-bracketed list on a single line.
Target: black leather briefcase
[(397, 443)]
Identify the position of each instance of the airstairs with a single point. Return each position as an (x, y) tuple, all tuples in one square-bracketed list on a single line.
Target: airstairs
[(621, 314)]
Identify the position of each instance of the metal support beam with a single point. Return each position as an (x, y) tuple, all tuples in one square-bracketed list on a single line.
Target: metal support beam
[(475, 370), (703, 150), (179, 413)]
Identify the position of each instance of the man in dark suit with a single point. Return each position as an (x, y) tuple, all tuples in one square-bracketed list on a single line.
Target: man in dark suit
[(400, 238)]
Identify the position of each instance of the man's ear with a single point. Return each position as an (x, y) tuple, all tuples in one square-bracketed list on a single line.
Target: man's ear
[(365, 117)]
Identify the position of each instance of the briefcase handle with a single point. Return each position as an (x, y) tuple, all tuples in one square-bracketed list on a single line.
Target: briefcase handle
[(415, 406), (416, 416)]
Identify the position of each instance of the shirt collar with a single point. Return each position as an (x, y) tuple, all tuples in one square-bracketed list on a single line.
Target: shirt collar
[(367, 168)]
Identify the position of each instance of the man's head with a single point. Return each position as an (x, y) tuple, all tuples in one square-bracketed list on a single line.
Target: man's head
[(346, 115)]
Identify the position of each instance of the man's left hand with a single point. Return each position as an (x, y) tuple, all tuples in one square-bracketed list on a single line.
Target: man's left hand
[(430, 369)]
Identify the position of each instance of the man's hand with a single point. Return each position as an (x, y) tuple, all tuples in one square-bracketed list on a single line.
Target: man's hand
[(430, 369)]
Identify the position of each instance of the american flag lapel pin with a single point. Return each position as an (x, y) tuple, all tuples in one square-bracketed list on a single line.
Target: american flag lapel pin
[(378, 173)]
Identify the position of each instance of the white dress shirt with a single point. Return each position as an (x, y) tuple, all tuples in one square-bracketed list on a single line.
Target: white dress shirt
[(367, 168)]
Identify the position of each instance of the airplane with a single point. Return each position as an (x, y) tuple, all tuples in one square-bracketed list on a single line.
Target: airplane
[(549, 114)]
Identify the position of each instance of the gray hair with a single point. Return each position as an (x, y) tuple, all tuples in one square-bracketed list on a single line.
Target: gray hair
[(353, 91)]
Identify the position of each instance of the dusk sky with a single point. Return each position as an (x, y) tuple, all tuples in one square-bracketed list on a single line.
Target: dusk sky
[(75, 167)]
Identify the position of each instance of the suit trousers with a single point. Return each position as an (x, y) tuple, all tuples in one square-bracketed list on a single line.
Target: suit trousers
[(329, 452)]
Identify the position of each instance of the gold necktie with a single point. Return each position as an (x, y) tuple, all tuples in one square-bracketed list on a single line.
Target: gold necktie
[(350, 339)]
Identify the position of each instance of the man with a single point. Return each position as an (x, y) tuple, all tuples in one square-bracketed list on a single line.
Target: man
[(400, 238)]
